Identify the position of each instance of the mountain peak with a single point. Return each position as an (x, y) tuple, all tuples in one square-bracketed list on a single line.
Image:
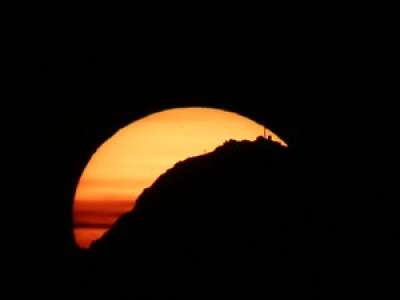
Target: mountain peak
[(233, 164), (230, 214)]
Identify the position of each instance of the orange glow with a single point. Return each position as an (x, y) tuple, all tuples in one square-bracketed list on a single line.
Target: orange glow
[(135, 156)]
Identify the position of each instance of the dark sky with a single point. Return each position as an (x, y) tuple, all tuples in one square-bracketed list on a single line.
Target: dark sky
[(87, 86), (320, 95)]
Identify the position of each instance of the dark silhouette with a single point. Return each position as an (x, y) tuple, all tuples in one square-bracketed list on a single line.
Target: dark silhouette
[(228, 223), (325, 90)]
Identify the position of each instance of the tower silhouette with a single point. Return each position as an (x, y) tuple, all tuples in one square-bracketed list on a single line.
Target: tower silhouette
[(269, 137)]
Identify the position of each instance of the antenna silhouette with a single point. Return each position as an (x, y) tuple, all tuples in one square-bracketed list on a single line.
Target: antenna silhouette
[(265, 135)]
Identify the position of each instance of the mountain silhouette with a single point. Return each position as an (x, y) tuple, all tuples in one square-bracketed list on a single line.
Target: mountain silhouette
[(227, 223)]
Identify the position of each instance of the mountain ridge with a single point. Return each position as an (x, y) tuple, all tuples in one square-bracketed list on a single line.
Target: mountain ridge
[(228, 148), (213, 223)]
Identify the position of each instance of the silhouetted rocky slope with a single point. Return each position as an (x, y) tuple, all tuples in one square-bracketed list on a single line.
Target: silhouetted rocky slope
[(207, 184), (230, 221)]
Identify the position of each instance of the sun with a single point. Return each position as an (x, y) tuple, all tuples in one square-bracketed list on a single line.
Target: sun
[(136, 155)]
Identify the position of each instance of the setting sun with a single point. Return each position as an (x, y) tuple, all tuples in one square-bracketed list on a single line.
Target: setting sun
[(136, 155)]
